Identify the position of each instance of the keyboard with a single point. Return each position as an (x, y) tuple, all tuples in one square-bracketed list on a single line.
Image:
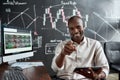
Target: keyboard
[(14, 73)]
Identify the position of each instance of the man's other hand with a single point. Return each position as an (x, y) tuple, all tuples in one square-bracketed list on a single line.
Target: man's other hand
[(90, 73)]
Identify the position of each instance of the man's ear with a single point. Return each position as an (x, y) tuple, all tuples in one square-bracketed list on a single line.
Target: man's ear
[(85, 27)]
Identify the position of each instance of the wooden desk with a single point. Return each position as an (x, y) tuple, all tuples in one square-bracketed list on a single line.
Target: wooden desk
[(32, 73)]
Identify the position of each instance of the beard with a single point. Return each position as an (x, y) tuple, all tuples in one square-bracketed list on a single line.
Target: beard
[(77, 37)]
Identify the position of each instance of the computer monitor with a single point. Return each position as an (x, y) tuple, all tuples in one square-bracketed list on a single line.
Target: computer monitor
[(17, 44)]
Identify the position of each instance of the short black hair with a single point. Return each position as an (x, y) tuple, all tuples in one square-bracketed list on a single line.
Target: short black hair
[(73, 17)]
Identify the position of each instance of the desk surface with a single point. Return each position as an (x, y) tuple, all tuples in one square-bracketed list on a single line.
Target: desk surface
[(32, 73)]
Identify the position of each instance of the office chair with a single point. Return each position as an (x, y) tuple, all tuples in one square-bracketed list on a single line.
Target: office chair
[(112, 51)]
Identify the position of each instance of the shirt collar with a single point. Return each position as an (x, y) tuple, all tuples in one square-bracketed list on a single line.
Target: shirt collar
[(82, 42)]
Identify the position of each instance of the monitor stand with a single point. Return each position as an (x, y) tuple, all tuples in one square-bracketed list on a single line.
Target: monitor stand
[(11, 62), (12, 58)]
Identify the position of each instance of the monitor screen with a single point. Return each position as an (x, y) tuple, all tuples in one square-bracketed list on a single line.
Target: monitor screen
[(16, 41), (17, 44)]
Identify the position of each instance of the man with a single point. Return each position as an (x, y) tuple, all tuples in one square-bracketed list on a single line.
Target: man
[(80, 51)]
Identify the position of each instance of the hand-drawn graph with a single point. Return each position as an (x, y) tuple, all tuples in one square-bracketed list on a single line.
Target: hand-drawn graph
[(47, 14), (54, 16)]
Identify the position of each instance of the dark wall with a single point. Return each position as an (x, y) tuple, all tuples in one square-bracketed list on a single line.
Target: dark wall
[(47, 19)]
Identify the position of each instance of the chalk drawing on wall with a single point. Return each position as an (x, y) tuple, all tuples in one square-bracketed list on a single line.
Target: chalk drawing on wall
[(55, 16)]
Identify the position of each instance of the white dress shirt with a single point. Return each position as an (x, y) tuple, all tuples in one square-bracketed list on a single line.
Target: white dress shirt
[(88, 53)]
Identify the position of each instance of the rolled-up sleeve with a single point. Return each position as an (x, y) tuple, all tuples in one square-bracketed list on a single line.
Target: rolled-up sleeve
[(57, 52), (100, 59)]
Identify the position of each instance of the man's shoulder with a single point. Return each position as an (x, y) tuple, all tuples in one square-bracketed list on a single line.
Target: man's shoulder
[(90, 40)]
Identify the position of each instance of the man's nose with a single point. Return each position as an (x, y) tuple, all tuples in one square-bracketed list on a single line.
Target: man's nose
[(76, 30)]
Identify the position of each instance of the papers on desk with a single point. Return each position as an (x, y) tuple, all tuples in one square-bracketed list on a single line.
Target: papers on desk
[(24, 65)]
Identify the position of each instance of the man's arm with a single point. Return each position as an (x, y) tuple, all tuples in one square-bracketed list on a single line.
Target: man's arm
[(101, 60), (67, 50), (60, 59)]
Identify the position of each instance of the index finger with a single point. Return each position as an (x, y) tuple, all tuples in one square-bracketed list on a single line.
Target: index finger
[(69, 42)]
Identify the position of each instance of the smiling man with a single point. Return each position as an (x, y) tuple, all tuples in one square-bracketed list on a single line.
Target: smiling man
[(80, 52)]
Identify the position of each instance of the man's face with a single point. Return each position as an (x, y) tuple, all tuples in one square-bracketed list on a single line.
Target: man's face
[(76, 30)]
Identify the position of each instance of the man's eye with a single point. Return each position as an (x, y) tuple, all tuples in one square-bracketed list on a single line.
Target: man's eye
[(78, 27), (71, 28)]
